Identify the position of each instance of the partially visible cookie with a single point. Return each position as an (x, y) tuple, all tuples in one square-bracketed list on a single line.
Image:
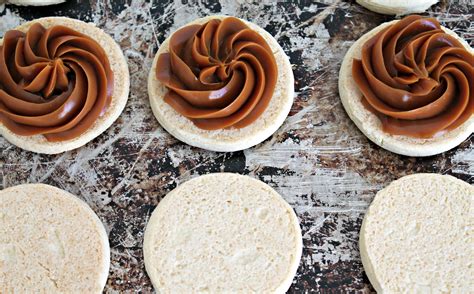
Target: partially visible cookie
[(408, 122), (50, 242), (417, 236), (35, 2), (41, 109), (397, 7), (219, 100), (222, 233)]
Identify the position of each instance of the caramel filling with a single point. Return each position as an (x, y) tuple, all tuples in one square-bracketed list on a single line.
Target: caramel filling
[(416, 78), (220, 74), (54, 82)]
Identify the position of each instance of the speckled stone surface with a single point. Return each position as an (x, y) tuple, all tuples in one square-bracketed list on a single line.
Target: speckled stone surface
[(318, 160)]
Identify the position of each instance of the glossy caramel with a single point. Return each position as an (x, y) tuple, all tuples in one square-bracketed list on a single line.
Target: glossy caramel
[(416, 78), (220, 74), (54, 82)]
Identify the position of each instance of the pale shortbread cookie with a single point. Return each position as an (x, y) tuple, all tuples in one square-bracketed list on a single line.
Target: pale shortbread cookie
[(418, 236), (222, 233), (397, 7), (35, 2), (226, 140), (119, 67), (50, 242), (369, 123)]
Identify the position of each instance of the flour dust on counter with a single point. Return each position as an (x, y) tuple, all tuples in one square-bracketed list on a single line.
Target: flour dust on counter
[(318, 161)]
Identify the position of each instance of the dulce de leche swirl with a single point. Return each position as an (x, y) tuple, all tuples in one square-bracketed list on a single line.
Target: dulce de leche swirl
[(220, 74), (416, 78), (55, 82)]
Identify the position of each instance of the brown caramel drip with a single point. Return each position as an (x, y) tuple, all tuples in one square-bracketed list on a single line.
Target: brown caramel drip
[(220, 74), (54, 82), (416, 78)]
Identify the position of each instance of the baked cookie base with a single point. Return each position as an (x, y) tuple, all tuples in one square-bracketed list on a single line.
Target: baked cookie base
[(226, 140), (119, 66), (369, 124)]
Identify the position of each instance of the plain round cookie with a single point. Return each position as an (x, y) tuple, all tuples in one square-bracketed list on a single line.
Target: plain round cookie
[(226, 140), (397, 7), (35, 2), (369, 124), (119, 66), (50, 242), (417, 236), (222, 233)]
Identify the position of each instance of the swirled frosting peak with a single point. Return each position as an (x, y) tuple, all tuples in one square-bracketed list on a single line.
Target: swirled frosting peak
[(55, 82), (416, 78), (220, 74)]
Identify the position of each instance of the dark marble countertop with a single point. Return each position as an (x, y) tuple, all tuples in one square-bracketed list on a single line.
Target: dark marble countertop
[(318, 160)]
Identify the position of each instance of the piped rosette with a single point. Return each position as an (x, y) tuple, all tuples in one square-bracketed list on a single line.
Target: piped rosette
[(54, 82), (220, 74), (416, 78)]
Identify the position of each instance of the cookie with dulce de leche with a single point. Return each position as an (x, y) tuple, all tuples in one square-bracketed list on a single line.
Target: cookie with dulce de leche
[(221, 83), (408, 86), (62, 83)]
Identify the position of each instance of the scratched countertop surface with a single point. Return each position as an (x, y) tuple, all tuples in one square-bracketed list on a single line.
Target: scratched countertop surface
[(318, 160)]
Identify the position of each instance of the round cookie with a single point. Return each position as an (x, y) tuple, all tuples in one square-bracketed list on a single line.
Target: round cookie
[(417, 236), (222, 233), (118, 64), (226, 140), (35, 2), (50, 242), (369, 124), (397, 7)]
